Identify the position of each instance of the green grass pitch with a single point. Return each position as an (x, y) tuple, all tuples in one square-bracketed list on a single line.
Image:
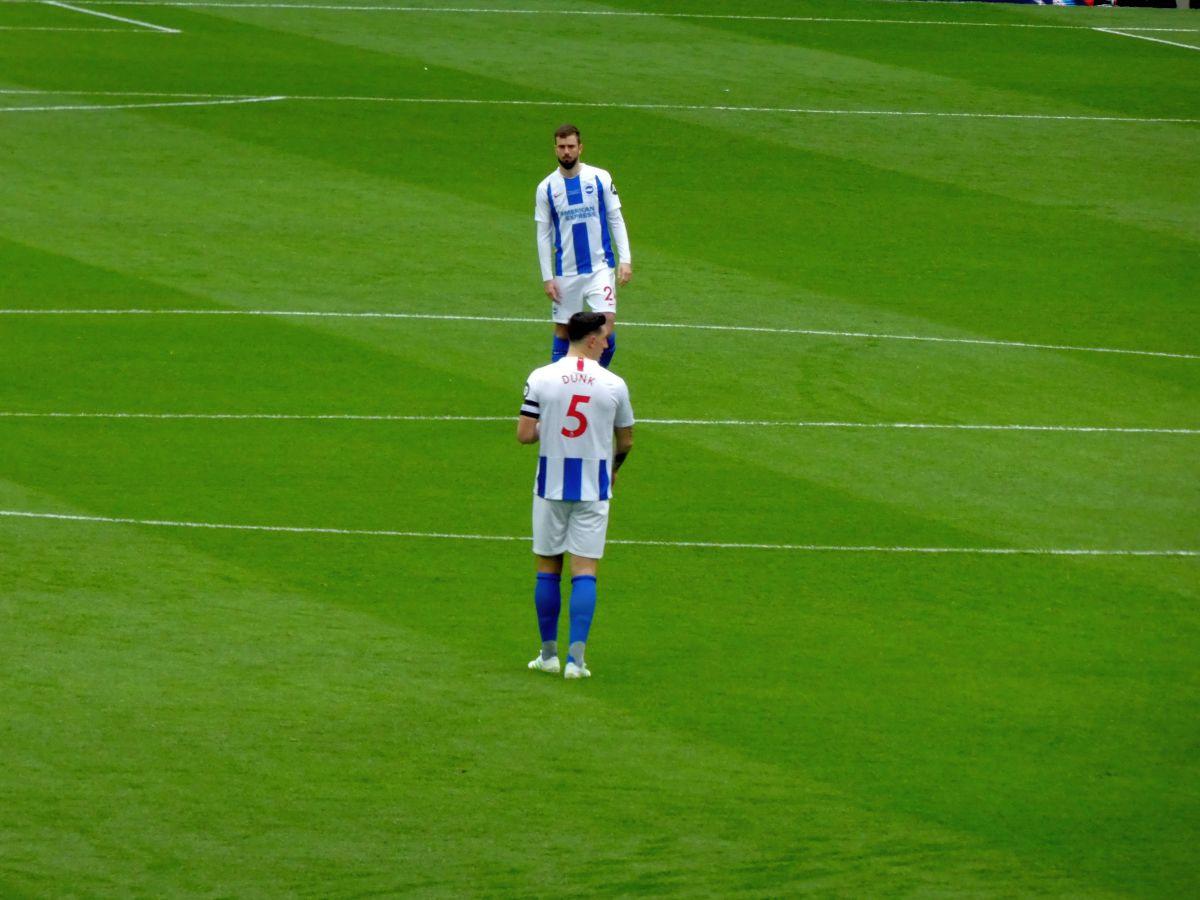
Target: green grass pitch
[(888, 213)]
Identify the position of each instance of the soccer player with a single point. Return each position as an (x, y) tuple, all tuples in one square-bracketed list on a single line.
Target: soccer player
[(577, 410), (583, 247)]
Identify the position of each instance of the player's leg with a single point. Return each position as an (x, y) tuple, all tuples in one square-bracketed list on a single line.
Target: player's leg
[(547, 601), (601, 297), (570, 291), (588, 529), (607, 355), (549, 539), (583, 610), (560, 344)]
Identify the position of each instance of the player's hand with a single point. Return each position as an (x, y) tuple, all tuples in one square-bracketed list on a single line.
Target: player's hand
[(624, 273), (551, 287)]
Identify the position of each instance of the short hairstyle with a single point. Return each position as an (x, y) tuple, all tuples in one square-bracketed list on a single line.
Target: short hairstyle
[(567, 130), (581, 324)]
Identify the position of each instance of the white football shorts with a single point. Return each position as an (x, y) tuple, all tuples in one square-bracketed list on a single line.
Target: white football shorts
[(569, 526), (594, 292)]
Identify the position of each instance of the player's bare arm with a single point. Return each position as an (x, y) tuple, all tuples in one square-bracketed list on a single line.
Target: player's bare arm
[(623, 440), (527, 430), (622, 444)]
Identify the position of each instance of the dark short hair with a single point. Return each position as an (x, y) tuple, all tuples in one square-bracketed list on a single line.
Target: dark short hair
[(566, 130), (581, 324)]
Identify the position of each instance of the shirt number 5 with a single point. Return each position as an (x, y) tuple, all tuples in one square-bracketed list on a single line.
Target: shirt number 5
[(574, 412)]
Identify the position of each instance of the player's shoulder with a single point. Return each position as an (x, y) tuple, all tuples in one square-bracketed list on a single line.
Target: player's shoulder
[(541, 373), (611, 378), (595, 172)]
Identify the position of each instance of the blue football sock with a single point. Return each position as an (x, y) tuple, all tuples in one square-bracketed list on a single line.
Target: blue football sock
[(547, 597), (559, 348), (583, 607), (607, 355)]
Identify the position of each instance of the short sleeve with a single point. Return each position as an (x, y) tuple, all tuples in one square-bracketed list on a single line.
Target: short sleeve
[(624, 414)]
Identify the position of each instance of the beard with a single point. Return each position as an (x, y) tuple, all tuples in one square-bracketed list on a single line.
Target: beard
[(567, 160)]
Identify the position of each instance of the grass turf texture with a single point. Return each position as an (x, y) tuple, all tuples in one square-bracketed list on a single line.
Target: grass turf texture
[(197, 712)]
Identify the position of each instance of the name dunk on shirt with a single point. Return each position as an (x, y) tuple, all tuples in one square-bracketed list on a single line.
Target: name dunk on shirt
[(578, 378)]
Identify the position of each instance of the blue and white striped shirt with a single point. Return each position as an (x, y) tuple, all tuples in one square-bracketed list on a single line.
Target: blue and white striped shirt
[(577, 403), (580, 227)]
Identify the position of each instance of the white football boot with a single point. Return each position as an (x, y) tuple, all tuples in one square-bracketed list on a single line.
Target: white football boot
[(550, 665), (574, 670)]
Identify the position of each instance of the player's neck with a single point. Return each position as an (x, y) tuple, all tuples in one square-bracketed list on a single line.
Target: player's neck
[(571, 172)]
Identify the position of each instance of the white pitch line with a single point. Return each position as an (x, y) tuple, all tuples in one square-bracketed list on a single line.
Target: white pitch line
[(265, 417), (285, 529), (752, 329), (662, 107), (963, 551), (108, 107), (184, 4), (707, 545), (458, 10), (1143, 37), (168, 95), (610, 14), (102, 15), (87, 30), (923, 426), (914, 337), (742, 423), (787, 110)]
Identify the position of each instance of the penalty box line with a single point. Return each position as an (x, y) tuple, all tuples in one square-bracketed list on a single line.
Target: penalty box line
[(703, 545), (753, 329)]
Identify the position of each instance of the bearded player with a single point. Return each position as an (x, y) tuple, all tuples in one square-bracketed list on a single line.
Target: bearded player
[(583, 247)]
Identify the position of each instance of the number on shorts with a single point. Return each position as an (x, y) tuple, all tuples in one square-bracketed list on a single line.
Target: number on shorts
[(608, 293), (573, 412)]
